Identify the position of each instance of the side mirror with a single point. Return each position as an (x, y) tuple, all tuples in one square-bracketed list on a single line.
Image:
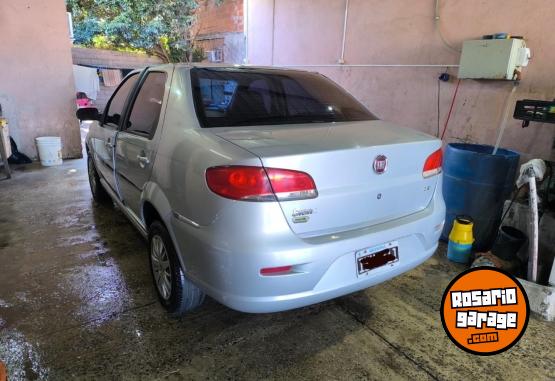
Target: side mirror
[(88, 113)]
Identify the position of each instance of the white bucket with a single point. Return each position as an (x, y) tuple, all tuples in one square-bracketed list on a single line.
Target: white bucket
[(50, 150)]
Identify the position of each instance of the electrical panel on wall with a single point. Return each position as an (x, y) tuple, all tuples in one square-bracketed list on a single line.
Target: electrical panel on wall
[(493, 59)]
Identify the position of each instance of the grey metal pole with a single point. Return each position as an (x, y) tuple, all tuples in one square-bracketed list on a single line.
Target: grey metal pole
[(533, 228)]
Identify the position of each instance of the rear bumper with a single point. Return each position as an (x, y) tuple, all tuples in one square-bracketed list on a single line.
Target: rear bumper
[(318, 294), (225, 258)]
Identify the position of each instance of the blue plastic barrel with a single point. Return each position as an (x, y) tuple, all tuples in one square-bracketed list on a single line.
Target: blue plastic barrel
[(476, 183)]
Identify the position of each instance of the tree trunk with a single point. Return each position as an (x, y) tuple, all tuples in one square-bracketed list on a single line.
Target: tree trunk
[(161, 53)]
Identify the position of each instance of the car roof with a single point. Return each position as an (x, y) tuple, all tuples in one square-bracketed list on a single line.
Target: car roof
[(219, 66), (208, 65), (224, 66)]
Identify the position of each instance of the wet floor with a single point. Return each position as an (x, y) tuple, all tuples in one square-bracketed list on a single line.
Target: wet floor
[(76, 301)]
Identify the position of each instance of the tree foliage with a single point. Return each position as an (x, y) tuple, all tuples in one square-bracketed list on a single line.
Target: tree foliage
[(159, 27)]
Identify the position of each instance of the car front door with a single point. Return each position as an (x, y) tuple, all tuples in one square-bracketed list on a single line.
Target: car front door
[(103, 141), (138, 138)]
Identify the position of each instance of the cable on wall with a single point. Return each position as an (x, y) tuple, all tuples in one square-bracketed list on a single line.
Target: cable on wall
[(438, 98), (443, 77), (342, 58), (367, 65), (439, 32), (450, 109)]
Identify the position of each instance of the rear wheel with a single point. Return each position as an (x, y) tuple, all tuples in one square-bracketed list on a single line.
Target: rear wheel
[(176, 293), (98, 192)]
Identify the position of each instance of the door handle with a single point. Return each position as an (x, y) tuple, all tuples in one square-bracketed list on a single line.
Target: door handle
[(143, 161)]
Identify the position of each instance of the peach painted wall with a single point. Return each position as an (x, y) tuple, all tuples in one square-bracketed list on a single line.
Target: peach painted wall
[(37, 91), (403, 32)]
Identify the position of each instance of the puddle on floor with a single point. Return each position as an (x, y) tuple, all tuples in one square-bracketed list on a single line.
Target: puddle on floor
[(101, 288)]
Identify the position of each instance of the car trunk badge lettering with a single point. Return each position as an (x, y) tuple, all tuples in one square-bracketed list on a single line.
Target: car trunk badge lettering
[(301, 215)]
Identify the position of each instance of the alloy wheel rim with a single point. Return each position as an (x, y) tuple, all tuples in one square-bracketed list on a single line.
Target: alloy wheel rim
[(161, 269)]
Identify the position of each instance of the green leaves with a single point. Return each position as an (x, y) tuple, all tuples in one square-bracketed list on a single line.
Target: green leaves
[(158, 27)]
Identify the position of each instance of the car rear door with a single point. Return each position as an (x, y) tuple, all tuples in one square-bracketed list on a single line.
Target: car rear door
[(103, 141), (139, 135)]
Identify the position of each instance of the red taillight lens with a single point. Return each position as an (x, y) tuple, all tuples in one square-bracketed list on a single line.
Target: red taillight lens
[(291, 185), (432, 166), (260, 184), (240, 183)]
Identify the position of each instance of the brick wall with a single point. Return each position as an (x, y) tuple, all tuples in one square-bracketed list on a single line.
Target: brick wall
[(220, 27), (226, 17)]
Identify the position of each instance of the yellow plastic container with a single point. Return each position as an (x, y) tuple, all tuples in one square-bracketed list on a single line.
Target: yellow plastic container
[(461, 240), (462, 230)]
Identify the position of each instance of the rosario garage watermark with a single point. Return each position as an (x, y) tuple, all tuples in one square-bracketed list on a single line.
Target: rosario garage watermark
[(485, 311)]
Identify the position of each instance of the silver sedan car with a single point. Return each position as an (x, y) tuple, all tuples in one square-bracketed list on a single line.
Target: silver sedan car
[(266, 189)]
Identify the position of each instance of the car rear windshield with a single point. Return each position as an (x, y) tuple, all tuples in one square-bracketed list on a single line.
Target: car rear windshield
[(245, 97)]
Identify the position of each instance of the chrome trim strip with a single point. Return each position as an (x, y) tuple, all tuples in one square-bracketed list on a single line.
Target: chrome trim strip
[(297, 195), (184, 219)]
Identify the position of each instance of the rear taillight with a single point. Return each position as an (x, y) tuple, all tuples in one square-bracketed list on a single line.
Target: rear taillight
[(432, 166), (291, 185), (260, 184)]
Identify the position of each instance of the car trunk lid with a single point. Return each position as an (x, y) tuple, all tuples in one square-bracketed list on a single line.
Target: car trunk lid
[(340, 158)]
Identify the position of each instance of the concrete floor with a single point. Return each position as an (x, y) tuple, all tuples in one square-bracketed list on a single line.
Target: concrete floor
[(76, 300)]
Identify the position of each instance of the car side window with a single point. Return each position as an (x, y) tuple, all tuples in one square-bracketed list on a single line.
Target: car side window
[(117, 103), (145, 113)]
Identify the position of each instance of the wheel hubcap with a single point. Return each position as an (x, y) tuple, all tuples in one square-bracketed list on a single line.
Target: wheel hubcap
[(160, 263)]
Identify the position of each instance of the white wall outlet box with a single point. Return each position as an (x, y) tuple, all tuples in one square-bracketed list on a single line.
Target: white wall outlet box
[(493, 59)]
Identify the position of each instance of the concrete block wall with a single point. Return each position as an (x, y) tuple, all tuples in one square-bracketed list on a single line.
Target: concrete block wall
[(211, 42), (232, 44), (234, 48), (112, 59)]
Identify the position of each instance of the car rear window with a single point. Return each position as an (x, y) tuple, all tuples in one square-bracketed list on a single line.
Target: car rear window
[(245, 97)]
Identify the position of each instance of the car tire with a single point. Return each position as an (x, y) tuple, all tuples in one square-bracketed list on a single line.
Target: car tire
[(176, 293), (97, 189)]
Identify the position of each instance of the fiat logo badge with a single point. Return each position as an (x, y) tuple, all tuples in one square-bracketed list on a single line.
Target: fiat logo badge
[(380, 164)]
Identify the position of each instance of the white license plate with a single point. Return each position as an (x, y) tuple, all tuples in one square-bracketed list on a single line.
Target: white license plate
[(371, 258)]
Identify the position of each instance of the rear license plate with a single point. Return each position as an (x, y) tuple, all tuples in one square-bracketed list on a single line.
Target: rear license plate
[(373, 257)]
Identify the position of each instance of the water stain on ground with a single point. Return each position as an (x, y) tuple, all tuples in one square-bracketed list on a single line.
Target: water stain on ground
[(77, 301)]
